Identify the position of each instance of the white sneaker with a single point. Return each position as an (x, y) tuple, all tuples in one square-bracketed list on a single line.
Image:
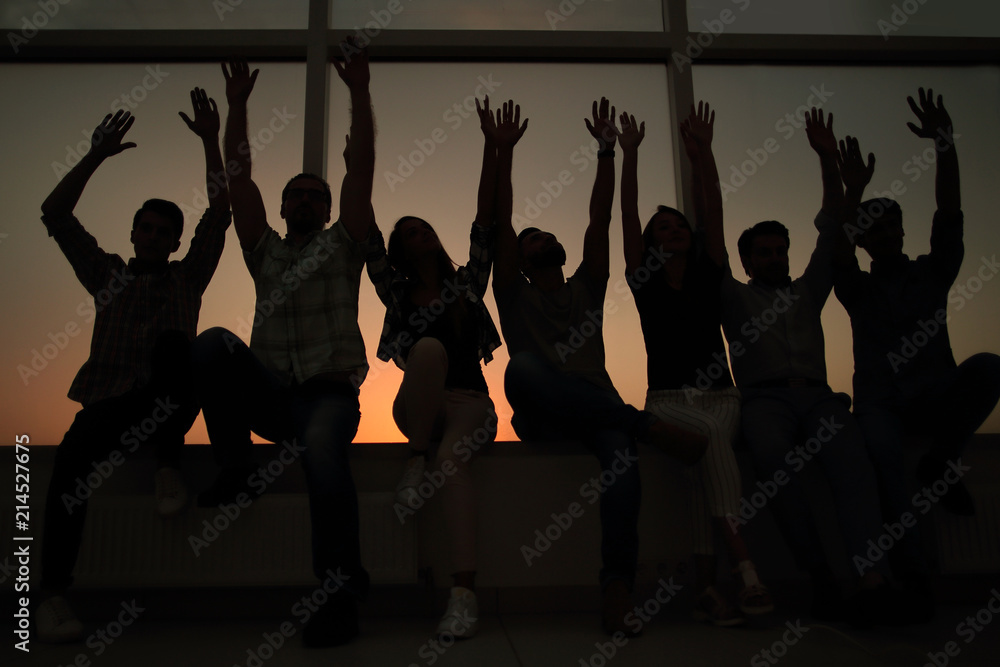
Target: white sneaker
[(171, 495), (461, 620), (56, 623), (413, 475)]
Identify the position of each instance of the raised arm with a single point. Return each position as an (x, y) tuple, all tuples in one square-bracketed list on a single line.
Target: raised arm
[(935, 123), (486, 198), (249, 216), (820, 134), (595, 241), (697, 131), (356, 189), (206, 126), (506, 130), (629, 138), (105, 142), (856, 176)]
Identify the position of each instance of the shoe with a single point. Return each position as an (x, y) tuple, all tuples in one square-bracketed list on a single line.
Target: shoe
[(756, 599), (229, 484), (685, 446), (712, 607), (956, 498), (335, 623), (615, 607), (55, 622), (413, 475), (171, 495), (461, 619)]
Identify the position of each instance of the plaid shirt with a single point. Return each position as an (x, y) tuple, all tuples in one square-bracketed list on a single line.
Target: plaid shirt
[(470, 281), (132, 308), (306, 316)]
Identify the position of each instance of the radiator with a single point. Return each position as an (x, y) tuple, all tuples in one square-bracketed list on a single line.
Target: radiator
[(268, 544), (971, 544)]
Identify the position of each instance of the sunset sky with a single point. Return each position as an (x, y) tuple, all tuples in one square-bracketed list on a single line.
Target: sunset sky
[(55, 108)]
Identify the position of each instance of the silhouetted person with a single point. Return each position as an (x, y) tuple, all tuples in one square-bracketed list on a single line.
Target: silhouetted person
[(556, 380), (790, 414), (137, 385), (437, 329), (905, 376), (675, 273), (298, 381)]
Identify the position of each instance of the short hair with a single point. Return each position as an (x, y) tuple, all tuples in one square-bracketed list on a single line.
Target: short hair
[(881, 207), (765, 228), (326, 187), (167, 209), (524, 233)]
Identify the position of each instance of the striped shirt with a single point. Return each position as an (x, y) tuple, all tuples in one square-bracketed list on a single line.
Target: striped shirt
[(470, 282), (132, 307), (306, 316)]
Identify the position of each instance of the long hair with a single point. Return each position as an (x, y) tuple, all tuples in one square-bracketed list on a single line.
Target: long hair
[(697, 234), (397, 253)]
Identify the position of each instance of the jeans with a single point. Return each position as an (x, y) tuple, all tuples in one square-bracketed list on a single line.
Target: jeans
[(239, 395), (102, 435), (784, 429), (949, 414), (548, 404)]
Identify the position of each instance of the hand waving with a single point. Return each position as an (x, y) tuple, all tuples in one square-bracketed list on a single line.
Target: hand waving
[(206, 115), (107, 137)]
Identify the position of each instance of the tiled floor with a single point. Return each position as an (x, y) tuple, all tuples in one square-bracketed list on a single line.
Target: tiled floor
[(509, 640)]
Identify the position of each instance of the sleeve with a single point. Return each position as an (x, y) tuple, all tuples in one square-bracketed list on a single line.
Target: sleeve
[(377, 264), (818, 276), (90, 263), (480, 258), (848, 284), (255, 258), (206, 247), (947, 247)]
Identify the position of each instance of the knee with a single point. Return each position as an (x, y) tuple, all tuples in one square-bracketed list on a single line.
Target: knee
[(522, 370), (986, 365), (426, 350), (214, 344)]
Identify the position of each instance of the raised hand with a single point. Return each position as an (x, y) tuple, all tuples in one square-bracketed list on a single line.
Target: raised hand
[(697, 130), (487, 123), (853, 170), (509, 128), (239, 80), (206, 115), (603, 127), (632, 133), (354, 72), (107, 137), (934, 119), (820, 133)]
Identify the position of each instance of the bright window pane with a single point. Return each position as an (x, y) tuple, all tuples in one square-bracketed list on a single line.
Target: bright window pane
[(429, 153), (768, 171), (27, 15), (44, 137)]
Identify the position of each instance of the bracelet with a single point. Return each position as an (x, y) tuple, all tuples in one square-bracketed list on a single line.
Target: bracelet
[(607, 152)]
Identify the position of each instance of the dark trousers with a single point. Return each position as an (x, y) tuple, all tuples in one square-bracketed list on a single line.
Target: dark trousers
[(101, 437), (319, 418)]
